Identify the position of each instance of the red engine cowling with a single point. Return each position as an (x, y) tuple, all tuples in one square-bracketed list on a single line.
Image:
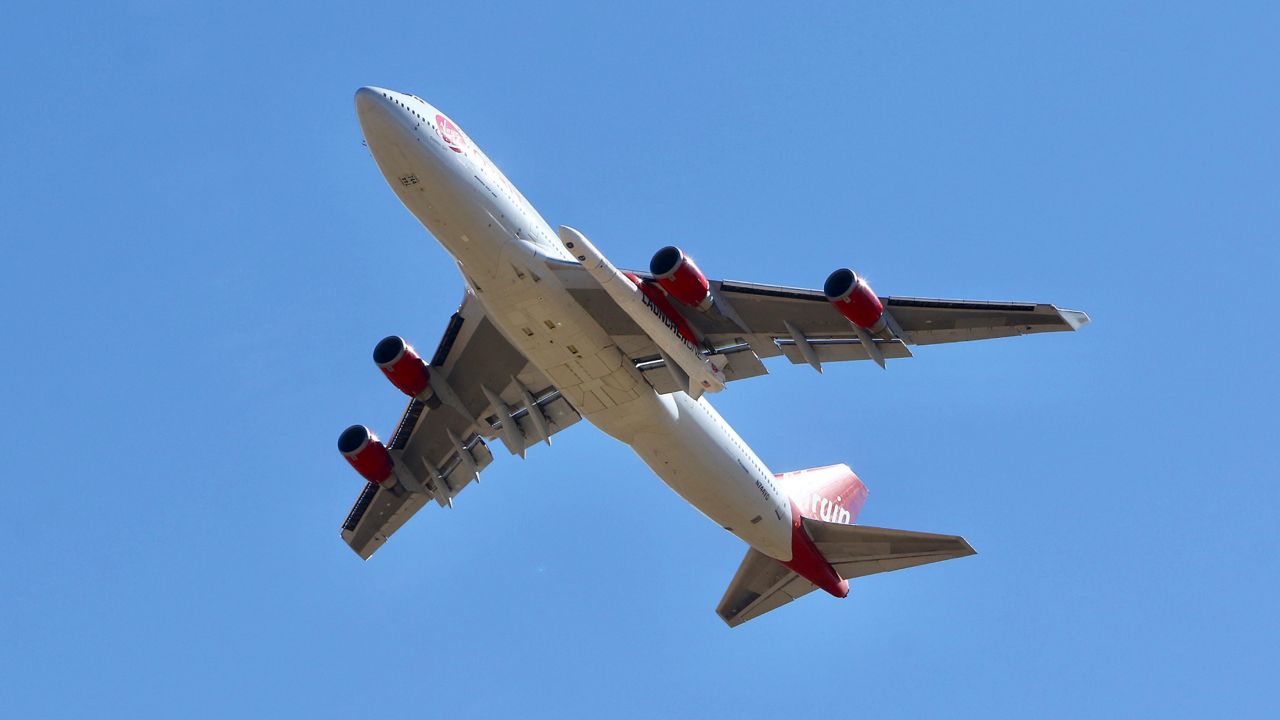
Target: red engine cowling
[(367, 454), (854, 298), (680, 277), (401, 364)]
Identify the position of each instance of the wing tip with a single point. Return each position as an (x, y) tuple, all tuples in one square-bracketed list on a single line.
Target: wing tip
[(365, 551), (1075, 318), (728, 619)]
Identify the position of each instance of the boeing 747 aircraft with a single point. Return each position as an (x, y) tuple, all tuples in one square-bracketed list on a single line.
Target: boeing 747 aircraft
[(549, 332)]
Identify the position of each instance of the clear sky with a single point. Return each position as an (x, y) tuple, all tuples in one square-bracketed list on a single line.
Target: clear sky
[(199, 256)]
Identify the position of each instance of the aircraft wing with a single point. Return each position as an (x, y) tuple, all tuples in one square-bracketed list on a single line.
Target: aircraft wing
[(442, 442), (749, 322)]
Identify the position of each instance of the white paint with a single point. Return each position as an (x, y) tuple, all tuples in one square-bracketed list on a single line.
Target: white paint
[(660, 328), (501, 244)]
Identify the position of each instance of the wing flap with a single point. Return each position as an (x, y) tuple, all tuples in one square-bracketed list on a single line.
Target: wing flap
[(841, 349), (738, 363)]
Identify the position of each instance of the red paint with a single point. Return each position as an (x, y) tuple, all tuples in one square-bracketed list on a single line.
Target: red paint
[(450, 133), (367, 454), (859, 304), (832, 493), (660, 301), (826, 493), (683, 280), (405, 370), (808, 563)]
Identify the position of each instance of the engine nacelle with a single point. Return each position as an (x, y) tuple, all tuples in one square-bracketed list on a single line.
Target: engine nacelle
[(367, 454), (680, 277), (401, 364), (854, 299)]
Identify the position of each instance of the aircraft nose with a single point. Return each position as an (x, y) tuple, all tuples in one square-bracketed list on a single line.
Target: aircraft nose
[(384, 120), (368, 98)]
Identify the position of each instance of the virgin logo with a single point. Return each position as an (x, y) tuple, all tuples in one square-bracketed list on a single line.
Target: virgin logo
[(827, 511), (450, 133)]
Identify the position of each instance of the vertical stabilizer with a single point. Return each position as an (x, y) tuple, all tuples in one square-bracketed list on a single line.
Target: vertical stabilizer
[(832, 493)]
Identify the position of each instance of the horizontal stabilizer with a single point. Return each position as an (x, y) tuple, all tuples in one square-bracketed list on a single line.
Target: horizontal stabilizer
[(857, 550), (763, 584), (760, 585)]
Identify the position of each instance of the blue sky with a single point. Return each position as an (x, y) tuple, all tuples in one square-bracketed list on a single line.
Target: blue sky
[(200, 256)]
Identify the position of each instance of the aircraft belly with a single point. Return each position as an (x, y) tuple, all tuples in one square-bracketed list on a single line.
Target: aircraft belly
[(549, 327), (683, 440), (700, 462)]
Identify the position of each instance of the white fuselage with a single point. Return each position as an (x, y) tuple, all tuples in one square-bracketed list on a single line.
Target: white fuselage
[(504, 248)]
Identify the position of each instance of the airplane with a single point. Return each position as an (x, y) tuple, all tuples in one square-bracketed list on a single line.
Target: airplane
[(550, 332)]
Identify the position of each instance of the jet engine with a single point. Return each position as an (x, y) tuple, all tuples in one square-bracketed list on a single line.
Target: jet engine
[(401, 364), (367, 454), (680, 277), (854, 299)]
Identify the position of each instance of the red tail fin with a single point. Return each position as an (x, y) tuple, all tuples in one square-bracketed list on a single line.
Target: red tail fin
[(832, 493)]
